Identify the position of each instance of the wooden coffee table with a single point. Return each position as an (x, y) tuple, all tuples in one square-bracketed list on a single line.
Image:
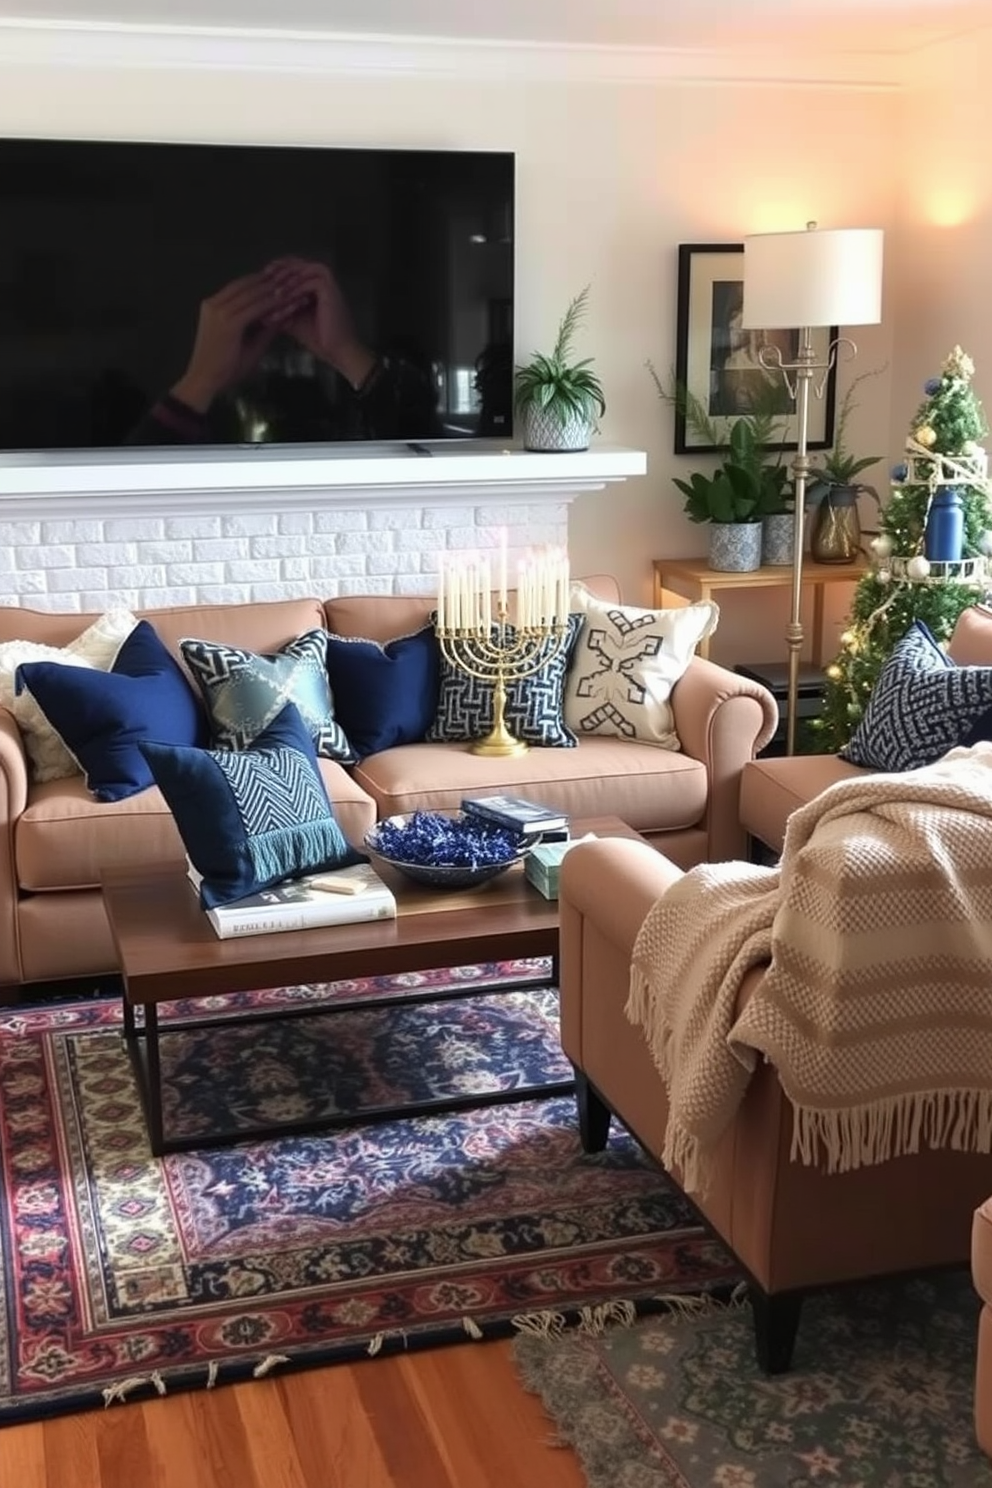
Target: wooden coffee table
[(168, 951)]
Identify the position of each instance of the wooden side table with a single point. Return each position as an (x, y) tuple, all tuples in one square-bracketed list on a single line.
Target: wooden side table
[(690, 580)]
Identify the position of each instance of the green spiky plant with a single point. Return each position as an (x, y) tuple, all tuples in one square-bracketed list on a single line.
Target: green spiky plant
[(556, 384)]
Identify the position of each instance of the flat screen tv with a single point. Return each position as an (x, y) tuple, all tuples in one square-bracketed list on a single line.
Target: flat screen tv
[(158, 294)]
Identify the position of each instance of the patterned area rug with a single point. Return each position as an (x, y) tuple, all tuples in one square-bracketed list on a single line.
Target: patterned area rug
[(124, 1274), (881, 1395)]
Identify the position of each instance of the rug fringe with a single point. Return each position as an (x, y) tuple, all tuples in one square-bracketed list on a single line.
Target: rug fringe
[(596, 1320), (472, 1328), (123, 1388), (544, 1324), (213, 1369), (378, 1339), (265, 1366)]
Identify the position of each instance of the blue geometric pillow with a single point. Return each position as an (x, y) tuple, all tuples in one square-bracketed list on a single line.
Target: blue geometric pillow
[(534, 704), (102, 717), (384, 695), (253, 817), (245, 690), (921, 706)]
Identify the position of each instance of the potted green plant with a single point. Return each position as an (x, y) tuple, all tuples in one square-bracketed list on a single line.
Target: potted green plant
[(743, 490), (833, 489), (558, 397), (750, 487)]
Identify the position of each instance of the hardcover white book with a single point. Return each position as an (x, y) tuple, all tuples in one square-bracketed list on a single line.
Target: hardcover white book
[(303, 903)]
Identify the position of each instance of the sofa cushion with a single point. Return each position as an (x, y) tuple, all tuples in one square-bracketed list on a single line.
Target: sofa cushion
[(65, 839), (772, 789), (251, 817), (652, 790), (384, 694), (244, 691), (102, 717), (626, 662), (96, 648), (534, 708), (922, 705)]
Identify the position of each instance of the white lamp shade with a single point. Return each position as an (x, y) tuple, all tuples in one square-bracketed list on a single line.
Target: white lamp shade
[(813, 278)]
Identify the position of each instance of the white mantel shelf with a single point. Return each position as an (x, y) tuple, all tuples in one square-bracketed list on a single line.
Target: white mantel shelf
[(176, 482)]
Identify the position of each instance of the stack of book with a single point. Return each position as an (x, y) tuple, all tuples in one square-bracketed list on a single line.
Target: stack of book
[(346, 896), (529, 819), (542, 864)]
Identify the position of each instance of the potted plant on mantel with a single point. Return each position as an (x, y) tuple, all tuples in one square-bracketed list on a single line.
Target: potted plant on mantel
[(735, 500), (558, 397)]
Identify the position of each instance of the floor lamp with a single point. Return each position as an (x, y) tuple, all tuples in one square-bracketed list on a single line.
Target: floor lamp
[(808, 279)]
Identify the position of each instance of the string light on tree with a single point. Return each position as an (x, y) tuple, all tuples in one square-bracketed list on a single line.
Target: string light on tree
[(940, 502)]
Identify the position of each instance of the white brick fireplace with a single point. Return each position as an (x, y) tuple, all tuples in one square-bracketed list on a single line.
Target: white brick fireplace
[(156, 529)]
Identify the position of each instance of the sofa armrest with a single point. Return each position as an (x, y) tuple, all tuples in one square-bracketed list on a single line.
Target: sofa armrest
[(723, 720), (13, 801)]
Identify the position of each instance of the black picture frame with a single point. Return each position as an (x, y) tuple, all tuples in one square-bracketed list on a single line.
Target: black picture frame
[(710, 293)]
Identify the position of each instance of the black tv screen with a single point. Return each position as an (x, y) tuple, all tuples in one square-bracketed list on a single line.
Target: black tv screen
[(162, 294)]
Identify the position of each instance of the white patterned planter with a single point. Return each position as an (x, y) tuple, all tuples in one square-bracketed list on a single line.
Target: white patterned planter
[(776, 539), (735, 547), (546, 430)]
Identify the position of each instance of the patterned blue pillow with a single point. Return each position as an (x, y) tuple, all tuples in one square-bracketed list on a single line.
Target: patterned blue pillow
[(922, 705), (534, 704), (245, 690), (250, 818), (384, 695)]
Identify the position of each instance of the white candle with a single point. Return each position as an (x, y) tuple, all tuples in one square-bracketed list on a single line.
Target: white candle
[(440, 592), (487, 595), (502, 568)]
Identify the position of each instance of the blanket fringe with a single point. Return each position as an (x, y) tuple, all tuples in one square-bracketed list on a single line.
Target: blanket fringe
[(863, 1135)]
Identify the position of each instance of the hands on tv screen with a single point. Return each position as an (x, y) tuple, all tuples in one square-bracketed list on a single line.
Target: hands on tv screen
[(382, 396)]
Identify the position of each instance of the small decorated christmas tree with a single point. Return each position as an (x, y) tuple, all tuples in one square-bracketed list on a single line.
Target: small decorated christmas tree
[(930, 556)]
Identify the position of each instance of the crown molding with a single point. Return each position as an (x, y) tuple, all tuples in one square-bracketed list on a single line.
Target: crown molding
[(97, 45)]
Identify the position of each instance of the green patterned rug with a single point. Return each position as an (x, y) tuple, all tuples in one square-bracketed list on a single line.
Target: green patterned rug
[(880, 1396)]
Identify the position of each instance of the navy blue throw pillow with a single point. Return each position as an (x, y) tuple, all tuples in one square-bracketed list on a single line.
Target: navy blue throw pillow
[(384, 695), (922, 705), (102, 717), (250, 818)]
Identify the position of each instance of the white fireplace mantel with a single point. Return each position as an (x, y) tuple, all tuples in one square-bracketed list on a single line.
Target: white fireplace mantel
[(132, 482)]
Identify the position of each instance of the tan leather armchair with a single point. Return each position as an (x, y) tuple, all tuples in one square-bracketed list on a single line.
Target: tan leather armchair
[(792, 1227)]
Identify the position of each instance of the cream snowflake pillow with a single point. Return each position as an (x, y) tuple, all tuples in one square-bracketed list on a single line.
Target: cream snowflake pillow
[(96, 648), (626, 662)]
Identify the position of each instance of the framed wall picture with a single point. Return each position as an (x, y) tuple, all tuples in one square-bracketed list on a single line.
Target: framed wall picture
[(717, 360)]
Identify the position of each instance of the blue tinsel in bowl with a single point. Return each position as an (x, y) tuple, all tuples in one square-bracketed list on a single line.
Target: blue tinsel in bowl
[(444, 851)]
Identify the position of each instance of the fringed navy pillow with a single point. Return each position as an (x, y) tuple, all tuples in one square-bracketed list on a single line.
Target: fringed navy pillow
[(250, 818)]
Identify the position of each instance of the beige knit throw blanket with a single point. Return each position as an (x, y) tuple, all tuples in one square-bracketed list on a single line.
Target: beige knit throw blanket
[(876, 1009)]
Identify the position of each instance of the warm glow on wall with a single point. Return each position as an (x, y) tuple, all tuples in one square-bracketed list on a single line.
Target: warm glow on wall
[(949, 206)]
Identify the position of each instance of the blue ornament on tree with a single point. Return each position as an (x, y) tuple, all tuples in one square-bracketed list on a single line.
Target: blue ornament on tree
[(899, 472), (931, 386)]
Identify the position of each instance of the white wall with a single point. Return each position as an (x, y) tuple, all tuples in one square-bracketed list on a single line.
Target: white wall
[(944, 222), (612, 176)]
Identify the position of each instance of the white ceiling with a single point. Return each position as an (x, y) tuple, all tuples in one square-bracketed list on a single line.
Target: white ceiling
[(881, 26)]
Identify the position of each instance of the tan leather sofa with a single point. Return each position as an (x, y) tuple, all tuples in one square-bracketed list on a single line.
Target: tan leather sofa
[(791, 1227), (56, 840), (981, 1271), (771, 789)]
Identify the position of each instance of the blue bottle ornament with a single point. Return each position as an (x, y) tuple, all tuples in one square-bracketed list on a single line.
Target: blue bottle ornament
[(943, 540)]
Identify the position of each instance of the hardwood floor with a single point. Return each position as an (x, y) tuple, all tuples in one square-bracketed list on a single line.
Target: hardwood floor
[(453, 1417)]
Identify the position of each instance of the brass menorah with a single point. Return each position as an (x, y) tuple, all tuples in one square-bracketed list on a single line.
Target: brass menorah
[(476, 635)]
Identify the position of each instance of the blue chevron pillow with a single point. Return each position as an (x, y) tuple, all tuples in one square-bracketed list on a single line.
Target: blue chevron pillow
[(922, 705), (250, 818), (534, 704), (244, 690)]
